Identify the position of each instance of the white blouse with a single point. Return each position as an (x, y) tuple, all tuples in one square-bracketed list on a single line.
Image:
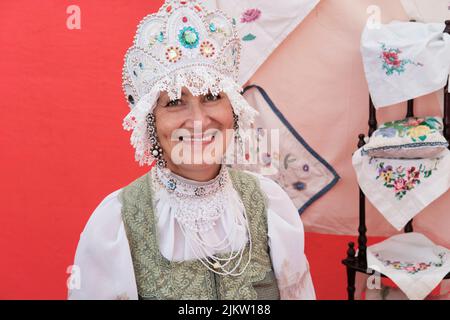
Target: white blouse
[(103, 267)]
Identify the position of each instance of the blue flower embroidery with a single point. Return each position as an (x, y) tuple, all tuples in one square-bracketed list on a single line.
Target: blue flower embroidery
[(388, 132)]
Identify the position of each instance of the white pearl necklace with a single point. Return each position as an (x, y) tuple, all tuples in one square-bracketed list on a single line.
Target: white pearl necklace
[(197, 206)]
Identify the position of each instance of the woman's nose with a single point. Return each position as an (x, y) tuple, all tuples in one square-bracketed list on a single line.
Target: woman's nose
[(198, 113)]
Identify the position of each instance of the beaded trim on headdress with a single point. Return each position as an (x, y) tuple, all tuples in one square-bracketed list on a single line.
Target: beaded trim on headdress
[(182, 45)]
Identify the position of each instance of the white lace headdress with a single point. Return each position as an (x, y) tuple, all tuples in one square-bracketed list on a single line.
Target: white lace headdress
[(182, 45)]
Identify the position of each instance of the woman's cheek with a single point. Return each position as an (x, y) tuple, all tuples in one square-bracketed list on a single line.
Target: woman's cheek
[(171, 133)]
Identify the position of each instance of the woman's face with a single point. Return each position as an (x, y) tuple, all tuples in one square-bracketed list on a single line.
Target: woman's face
[(193, 130)]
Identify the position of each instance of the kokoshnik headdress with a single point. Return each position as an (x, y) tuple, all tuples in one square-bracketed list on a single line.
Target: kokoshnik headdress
[(182, 45)]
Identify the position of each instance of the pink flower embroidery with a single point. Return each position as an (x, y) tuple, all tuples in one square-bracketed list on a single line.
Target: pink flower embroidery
[(410, 269), (413, 122), (391, 58), (250, 15), (423, 266), (399, 184), (401, 180)]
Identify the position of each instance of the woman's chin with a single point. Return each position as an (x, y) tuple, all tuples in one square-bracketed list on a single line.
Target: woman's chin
[(203, 166)]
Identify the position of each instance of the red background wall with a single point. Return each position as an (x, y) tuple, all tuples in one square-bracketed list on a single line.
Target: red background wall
[(62, 145)]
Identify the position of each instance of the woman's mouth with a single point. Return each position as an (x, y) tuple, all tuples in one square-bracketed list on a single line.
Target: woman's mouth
[(198, 139)]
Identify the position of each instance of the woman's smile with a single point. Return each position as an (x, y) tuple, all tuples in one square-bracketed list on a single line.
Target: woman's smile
[(202, 139)]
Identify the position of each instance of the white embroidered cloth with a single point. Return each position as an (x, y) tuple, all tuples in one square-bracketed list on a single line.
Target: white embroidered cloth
[(405, 60), (262, 26), (400, 188), (104, 260), (302, 173), (413, 262)]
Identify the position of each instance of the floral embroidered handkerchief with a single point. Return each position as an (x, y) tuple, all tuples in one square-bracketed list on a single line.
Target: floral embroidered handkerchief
[(262, 26), (401, 188), (408, 138), (405, 60), (412, 261), (295, 166)]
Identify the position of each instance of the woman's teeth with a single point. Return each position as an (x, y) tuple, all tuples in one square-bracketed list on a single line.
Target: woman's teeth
[(197, 139)]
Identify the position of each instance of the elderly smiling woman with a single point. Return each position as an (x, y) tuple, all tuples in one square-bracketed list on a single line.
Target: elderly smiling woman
[(191, 227)]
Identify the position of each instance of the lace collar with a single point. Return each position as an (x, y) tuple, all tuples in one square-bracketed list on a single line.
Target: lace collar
[(210, 216), (186, 188)]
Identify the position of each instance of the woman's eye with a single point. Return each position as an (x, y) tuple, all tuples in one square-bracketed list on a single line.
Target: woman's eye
[(174, 103), (212, 97)]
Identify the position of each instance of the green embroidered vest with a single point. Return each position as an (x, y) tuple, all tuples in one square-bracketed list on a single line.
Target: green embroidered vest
[(159, 278)]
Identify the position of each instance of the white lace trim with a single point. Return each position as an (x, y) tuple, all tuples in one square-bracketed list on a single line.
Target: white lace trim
[(202, 220), (197, 206)]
